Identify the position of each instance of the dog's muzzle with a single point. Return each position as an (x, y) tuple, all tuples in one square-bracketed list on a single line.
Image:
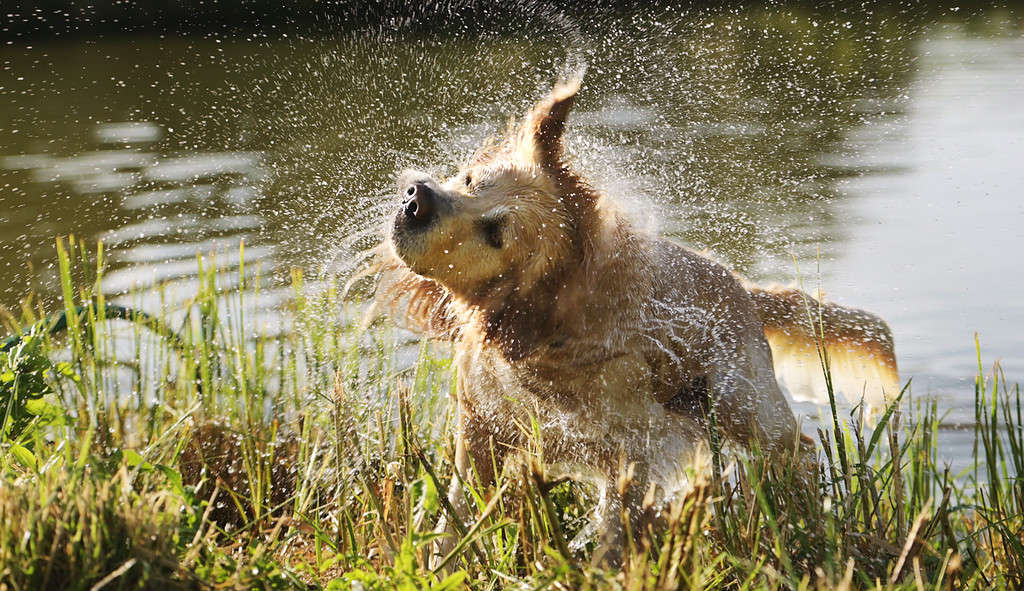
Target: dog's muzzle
[(419, 206)]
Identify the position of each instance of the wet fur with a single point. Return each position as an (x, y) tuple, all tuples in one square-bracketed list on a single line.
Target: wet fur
[(616, 342)]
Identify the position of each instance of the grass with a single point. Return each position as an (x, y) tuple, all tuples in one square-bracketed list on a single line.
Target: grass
[(192, 450)]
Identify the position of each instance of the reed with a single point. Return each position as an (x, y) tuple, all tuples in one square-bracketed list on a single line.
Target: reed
[(194, 448)]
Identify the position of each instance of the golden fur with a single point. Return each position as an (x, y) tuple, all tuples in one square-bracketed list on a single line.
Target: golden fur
[(858, 346), (617, 343)]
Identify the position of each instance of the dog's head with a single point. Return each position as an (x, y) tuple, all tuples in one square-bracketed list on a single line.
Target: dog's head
[(506, 221)]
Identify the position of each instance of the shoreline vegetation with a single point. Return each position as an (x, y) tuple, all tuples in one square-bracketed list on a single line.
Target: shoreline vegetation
[(190, 450)]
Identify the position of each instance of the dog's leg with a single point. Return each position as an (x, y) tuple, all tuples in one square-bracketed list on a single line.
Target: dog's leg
[(456, 496), (750, 406), (623, 517), (750, 411), (475, 449)]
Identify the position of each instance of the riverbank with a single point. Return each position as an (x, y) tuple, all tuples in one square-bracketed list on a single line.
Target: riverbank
[(192, 449)]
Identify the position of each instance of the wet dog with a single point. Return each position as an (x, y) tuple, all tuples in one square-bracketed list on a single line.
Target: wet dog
[(618, 344)]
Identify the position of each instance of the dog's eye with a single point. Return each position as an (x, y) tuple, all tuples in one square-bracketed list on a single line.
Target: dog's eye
[(492, 231)]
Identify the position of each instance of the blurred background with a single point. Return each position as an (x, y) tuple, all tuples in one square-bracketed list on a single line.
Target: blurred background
[(873, 151)]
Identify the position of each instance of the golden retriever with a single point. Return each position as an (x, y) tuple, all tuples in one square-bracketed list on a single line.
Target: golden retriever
[(617, 343)]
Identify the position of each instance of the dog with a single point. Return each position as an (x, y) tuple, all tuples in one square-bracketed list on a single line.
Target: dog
[(620, 345)]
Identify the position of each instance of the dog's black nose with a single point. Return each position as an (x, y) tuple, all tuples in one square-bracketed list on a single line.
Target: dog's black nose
[(420, 201)]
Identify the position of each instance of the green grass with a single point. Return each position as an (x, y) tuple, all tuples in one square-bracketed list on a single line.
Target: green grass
[(188, 450)]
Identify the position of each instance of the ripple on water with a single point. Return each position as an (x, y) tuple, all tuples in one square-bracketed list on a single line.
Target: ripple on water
[(146, 275), (128, 132), (153, 199), (192, 168)]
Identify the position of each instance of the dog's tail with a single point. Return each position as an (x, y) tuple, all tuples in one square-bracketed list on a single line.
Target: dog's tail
[(857, 344)]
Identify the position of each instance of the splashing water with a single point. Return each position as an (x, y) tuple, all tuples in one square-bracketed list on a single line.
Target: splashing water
[(751, 132)]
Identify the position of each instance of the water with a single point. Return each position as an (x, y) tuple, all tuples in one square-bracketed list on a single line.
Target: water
[(933, 242), (879, 152)]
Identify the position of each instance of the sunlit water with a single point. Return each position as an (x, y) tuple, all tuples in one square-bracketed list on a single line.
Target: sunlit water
[(878, 153)]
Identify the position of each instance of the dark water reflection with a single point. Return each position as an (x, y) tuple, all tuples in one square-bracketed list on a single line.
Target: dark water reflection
[(773, 138)]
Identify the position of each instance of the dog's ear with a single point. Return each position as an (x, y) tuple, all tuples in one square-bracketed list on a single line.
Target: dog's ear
[(540, 136)]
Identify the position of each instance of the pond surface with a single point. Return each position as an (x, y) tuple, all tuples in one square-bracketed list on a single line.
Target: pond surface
[(880, 153)]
